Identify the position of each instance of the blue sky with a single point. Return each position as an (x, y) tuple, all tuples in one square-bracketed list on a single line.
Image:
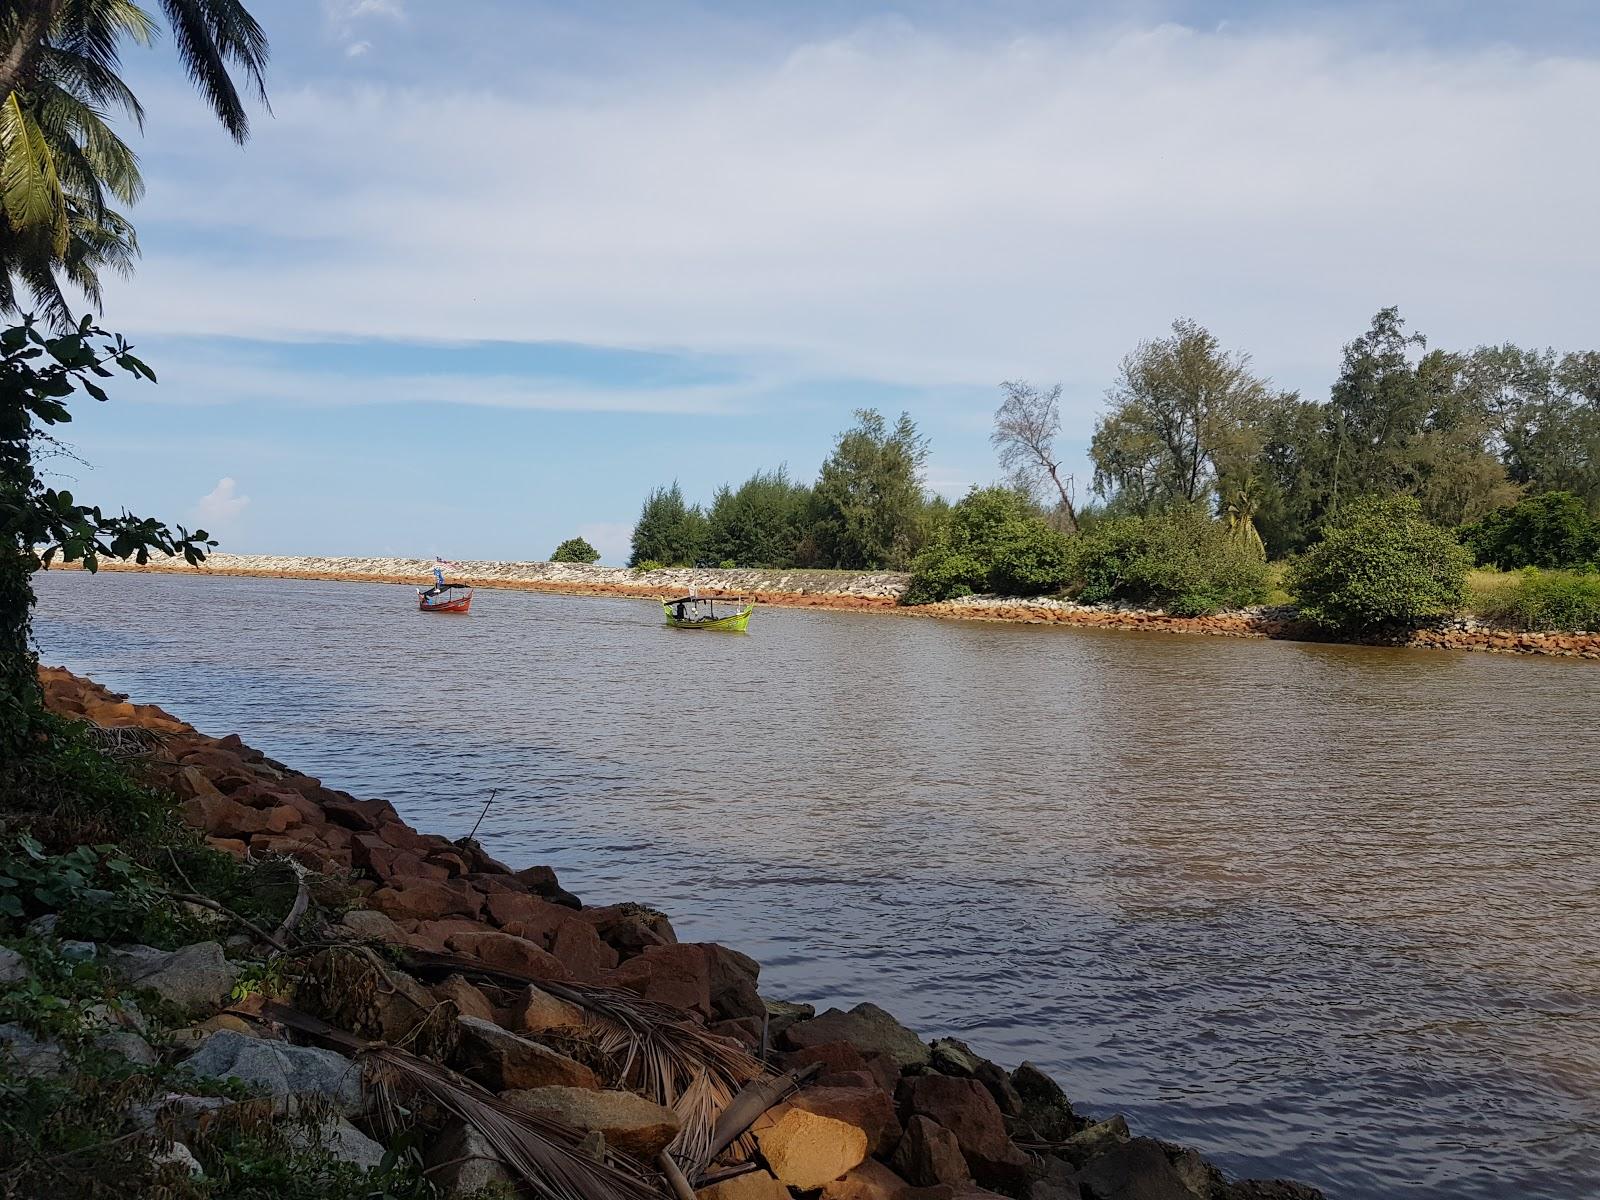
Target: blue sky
[(490, 271)]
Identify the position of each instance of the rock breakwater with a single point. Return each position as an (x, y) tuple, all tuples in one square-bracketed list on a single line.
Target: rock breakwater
[(590, 1027), (878, 591)]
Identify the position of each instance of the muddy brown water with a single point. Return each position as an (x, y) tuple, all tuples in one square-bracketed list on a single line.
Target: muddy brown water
[(1321, 911)]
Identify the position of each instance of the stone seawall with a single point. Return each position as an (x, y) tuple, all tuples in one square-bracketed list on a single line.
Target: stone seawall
[(524, 999), (875, 591)]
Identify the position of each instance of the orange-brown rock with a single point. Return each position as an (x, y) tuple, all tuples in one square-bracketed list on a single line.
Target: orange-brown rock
[(501, 1060), (221, 817), (527, 916), (578, 946), (361, 815), (676, 975), (753, 1185), (874, 1181), (805, 1149), (468, 999), (510, 953), (231, 846), (867, 1108), (428, 899), (537, 1011), (628, 1122), (630, 928), (929, 1154), (966, 1109)]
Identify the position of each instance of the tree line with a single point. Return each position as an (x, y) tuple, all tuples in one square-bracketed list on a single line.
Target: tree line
[(1190, 427), (866, 510), (1465, 433)]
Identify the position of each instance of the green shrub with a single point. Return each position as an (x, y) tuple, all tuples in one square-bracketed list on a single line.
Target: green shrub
[(1183, 562), (991, 541), (649, 564), (1567, 601), (1380, 564), (575, 550), (940, 573), (1551, 530)]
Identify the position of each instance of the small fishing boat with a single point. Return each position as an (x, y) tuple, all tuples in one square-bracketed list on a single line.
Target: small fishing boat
[(695, 612), (444, 597)]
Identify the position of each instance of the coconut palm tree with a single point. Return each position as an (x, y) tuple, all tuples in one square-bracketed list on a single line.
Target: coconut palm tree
[(61, 163)]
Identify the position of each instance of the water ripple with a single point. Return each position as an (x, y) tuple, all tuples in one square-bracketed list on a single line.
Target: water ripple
[(1323, 911)]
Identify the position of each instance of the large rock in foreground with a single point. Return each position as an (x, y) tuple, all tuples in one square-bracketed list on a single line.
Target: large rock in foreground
[(806, 1150), (280, 1069), (196, 978)]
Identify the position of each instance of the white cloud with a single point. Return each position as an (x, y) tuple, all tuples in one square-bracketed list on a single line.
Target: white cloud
[(206, 377), (915, 209), (345, 18), (219, 508)]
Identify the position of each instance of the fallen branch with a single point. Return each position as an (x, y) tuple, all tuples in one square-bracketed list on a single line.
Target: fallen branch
[(302, 900), (207, 902)]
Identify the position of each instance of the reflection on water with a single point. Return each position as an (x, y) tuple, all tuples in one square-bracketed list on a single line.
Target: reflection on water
[(1324, 911)]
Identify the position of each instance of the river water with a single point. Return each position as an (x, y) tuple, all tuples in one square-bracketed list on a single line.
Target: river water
[(1323, 911)]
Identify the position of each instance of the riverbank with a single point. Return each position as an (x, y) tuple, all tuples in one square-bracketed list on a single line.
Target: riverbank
[(875, 591), (502, 975)]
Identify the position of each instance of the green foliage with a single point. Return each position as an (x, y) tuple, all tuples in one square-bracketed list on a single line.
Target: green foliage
[(1181, 561), (60, 160), (759, 523), (649, 564), (61, 998), (991, 541), (1546, 601), (1380, 564), (940, 573), (669, 531), (115, 848), (38, 375), (1550, 530), (865, 513), (99, 893), (575, 550), (1184, 413)]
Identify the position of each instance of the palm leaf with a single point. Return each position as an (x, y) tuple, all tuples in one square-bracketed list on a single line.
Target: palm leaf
[(653, 1051), (542, 1152), (28, 183)]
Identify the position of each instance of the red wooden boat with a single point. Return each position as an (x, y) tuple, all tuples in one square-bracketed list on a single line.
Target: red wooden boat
[(444, 598)]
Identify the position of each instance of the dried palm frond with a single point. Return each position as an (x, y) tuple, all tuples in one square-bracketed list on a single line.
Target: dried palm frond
[(675, 1063), (653, 1050), (123, 742), (542, 1152)]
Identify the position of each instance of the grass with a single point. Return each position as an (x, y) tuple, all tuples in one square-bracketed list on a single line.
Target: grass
[(1536, 601)]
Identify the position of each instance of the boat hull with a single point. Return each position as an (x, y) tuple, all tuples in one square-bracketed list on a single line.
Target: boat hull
[(458, 604), (736, 623)]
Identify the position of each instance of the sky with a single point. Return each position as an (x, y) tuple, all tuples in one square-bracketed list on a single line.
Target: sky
[(488, 272)]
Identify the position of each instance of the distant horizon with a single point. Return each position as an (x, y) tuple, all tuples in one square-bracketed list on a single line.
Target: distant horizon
[(480, 282)]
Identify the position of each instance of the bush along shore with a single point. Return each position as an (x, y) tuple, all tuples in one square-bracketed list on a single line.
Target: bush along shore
[(883, 591), (333, 1005)]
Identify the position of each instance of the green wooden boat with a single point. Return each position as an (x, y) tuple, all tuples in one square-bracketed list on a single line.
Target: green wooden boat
[(696, 612)]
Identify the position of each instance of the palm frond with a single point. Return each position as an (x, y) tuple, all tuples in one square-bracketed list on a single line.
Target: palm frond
[(208, 35), (542, 1152), (653, 1051), (29, 187)]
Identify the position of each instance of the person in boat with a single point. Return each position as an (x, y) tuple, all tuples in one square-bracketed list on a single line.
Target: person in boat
[(439, 585)]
